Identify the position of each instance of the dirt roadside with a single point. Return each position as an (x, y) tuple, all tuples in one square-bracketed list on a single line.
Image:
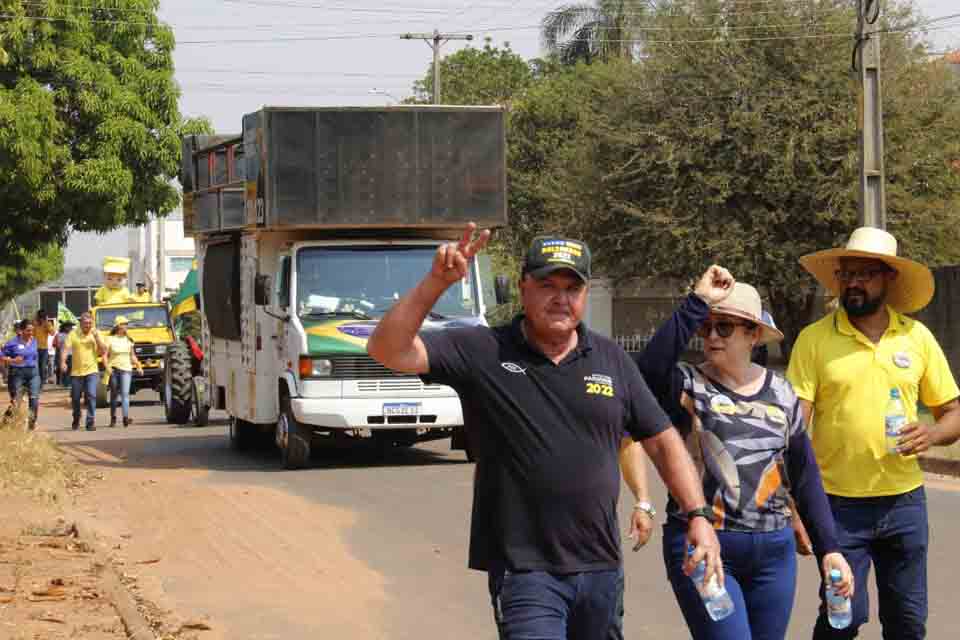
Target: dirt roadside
[(212, 560)]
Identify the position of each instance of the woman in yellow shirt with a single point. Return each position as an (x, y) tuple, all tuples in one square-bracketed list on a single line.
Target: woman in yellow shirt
[(120, 360)]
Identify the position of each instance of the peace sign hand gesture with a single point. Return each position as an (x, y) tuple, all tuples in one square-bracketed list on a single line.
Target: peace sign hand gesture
[(452, 260)]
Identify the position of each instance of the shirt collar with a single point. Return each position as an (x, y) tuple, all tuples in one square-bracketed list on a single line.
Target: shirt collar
[(584, 341), (898, 323)]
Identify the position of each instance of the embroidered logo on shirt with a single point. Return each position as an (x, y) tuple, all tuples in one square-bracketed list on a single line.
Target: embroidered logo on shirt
[(599, 385), (902, 360), (513, 367)]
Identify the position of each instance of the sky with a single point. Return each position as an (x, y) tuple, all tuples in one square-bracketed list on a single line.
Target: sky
[(235, 56)]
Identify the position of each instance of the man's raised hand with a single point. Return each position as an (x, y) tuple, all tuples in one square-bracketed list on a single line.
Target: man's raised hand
[(714, 285), (452, 260)]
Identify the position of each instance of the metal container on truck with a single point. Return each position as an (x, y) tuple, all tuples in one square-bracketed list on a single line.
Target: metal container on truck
[(309, 225)]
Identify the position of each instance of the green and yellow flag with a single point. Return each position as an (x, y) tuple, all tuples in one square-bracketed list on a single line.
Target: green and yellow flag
[(65, 315), (187, 298)]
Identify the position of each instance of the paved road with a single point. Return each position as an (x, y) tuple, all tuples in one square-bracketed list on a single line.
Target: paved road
[(408, 524)]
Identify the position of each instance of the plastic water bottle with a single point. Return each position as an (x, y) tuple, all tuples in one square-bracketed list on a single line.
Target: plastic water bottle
[(715, 598), (894, 420), (839, 610)]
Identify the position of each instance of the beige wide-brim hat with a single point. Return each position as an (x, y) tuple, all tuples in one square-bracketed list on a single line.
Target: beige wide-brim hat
[(744, 302), (910, 291)]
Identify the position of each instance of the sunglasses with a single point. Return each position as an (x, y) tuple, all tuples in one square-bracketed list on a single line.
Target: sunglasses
[(864, 275), (724, 328)]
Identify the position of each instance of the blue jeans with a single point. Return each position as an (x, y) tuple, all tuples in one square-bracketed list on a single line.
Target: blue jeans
[(26, 378), (761, 578), (535, 605), (890, 532), (120, 386), (43, 357), (86, 385)]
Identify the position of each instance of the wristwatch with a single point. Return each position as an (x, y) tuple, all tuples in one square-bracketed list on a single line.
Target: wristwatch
[(702, 512), (646, 507)]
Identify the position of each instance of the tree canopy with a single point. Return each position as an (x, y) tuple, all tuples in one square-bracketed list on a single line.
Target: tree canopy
[(733, 138), (39, 266), (89, 122)]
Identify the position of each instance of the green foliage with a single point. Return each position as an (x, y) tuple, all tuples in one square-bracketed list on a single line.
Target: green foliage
[(38, 267), (89, 123), (744, 151), (487, 76)]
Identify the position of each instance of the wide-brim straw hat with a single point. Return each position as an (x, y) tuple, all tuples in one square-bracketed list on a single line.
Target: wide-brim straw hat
[(744, 302), (910, 291)]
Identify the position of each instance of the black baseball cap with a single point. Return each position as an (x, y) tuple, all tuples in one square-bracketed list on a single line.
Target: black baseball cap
[(548, 254)]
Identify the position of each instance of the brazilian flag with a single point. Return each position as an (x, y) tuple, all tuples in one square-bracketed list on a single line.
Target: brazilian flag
[(65, 315), (187, 298)]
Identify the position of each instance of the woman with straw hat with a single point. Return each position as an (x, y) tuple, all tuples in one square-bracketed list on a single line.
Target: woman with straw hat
[(845, 368), (744, 430), (120, 360)]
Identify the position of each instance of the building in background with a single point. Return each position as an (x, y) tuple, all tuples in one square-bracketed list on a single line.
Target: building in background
[(160, 255)]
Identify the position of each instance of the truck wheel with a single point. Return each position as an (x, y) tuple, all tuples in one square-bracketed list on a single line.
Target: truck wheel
[(243, 434), (293, 439), (201, 412), (177, 384), (103, 393)]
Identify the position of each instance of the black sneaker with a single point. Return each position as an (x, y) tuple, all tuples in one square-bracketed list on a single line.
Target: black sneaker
[(113, 422), (76, 425), (91, 427), (126, 422)]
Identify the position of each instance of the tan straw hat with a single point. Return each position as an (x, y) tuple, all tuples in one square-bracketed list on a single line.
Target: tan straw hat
[(744, 302), (913, 287)]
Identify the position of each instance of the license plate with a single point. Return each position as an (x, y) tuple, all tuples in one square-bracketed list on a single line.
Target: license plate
[(401, 409)]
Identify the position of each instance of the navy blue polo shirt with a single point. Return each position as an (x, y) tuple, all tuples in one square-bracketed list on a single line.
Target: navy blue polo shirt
[(547, 438)]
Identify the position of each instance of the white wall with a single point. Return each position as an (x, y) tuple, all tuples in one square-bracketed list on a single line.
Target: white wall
[(160, 255), (599, 313)]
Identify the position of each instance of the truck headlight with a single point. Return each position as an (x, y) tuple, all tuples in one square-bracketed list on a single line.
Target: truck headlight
[(315, 367), (160, 349)]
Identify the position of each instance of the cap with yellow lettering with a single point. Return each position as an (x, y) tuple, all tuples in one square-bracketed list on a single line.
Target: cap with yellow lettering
[(549, 254)]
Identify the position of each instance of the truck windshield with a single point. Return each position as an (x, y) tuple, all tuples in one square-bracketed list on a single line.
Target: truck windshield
[(364, 282), (137, 317)]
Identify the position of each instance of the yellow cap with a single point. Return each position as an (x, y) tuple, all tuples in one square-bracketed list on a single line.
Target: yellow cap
[(116, 265), (119, 320)]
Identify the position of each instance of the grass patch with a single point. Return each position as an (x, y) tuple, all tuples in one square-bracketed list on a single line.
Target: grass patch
[(30, 462)]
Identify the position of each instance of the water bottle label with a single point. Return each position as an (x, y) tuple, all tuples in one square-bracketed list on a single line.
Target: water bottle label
[(894, 424), (840, 606)]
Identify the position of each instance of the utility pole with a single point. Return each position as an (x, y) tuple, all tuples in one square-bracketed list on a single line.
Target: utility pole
[(436, 40), (873, 201)]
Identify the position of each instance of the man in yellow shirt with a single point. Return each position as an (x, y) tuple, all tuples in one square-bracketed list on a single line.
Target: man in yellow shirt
[(142, 295), (42, 333), (87, 348), (845, 368)]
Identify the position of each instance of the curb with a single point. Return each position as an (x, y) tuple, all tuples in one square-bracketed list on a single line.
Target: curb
[(135, 624)]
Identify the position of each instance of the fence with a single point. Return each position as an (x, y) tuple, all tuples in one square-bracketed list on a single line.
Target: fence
[(637, 343)]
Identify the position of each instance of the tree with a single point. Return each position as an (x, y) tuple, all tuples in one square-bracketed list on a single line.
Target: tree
[(88, 121), (743, 149), (491, 75), (38, 267), (586, 33)]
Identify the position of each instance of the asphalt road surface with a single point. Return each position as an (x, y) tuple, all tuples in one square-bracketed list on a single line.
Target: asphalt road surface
[(359, 545)]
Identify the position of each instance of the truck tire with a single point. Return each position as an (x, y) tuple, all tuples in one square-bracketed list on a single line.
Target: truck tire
[(177, 384), (201, 412), (103, 392), (293, 439), (243, 434)]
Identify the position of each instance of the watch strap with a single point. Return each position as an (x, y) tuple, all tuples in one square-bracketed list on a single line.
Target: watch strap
[(702, 512)]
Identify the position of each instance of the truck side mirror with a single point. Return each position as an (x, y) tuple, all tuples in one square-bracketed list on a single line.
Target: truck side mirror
[(261, 290), (501, 288)]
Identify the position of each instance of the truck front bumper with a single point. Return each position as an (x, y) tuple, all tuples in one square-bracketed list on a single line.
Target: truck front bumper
[(356, 413)]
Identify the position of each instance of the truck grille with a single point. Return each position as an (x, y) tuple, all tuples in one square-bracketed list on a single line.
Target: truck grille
[(145, 350), (388, 386), (360, 367)]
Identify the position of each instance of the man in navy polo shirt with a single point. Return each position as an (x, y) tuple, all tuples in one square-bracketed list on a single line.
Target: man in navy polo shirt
[(547, 402)]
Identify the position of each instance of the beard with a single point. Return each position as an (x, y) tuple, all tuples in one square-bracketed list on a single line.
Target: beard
[(864, 306)]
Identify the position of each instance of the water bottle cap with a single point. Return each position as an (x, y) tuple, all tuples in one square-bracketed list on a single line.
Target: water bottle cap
[(894, 393), (835, 575)]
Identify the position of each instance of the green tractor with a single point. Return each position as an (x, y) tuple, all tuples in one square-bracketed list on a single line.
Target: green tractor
[(184, 390)]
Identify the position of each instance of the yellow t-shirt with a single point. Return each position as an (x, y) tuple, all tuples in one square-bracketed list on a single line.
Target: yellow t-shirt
[(120, 349), (42, 333), (85, 353), (848, 379), (141, 297)]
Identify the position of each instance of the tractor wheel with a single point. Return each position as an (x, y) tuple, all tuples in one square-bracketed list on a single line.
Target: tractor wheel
[(177, 384)]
